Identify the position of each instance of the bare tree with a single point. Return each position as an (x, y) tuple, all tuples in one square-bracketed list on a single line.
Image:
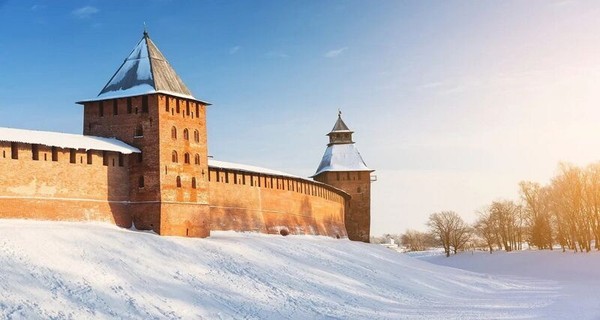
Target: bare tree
[(449, 229), (485, 227), (537, 214)]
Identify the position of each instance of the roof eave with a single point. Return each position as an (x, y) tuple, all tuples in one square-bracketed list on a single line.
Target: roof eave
[(149, 93)]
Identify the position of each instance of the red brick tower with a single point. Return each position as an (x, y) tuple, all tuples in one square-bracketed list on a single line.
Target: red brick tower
[(343, 167), (145, 104)]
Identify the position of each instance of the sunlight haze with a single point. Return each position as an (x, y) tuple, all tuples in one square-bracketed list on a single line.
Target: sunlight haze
[(452, 102)]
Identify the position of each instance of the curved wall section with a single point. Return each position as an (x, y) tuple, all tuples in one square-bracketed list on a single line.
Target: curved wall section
[(243, 200)]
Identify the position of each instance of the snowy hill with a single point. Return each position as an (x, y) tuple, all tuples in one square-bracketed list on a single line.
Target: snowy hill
[(83, 270)]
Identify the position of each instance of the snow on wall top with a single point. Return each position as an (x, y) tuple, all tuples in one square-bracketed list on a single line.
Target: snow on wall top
[(341, 157), (248, 168), (65, 140), (145, 71)]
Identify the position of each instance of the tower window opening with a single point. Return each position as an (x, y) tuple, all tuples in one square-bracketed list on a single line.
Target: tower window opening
[(144, 104), (178, 180), (141, 182), (226, 177), (54, 151), (113, 162), (177, 106), (129, 106), (197, 109), (186, 134), (101, 109), (72, 156), (197, 159), (235, 178), (186, 158), (115, 107), (89, 156), (121, 159), (35, 152), (174, 157), (196, 136), (167, 107), (104, 158), (139, 131), (194, 182), (45, 156), (337, 175), (187, 108), (174, 133)]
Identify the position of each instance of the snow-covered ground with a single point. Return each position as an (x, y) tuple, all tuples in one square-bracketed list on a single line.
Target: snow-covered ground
[(577, 275), (55, 270)]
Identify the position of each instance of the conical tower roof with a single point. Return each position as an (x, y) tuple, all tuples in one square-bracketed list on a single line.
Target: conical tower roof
[(144, 71), (339, 124), (341, 153)]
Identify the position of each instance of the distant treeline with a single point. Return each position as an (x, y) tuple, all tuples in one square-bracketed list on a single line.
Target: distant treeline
[(564, 213)]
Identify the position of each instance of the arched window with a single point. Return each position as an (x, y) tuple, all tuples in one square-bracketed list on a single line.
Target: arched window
[(186, 134), (174, 133), (178, 182), (194, 182), (186, 158), (196, 136), (197, 159), (174, 156), (141, 182)]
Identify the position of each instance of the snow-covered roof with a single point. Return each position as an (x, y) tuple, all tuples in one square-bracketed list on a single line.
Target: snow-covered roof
[(341, 157), (65, 140), (145, 71), (248, 168)]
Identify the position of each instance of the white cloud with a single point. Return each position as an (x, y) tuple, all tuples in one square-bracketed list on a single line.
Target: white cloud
[(335, 53), (85, 12), (234, 50)]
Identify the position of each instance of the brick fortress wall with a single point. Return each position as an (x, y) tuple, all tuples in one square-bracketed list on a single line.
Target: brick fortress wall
[(249, 201), (45, 183)]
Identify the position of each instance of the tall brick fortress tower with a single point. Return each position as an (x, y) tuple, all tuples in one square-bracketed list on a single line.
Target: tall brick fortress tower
[(147, 105), (343, 167)]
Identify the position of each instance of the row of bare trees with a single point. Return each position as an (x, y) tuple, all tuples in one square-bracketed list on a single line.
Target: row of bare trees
[(565, 212)]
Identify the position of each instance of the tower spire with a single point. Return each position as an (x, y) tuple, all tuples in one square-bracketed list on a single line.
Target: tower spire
[(340, 134), (145, 30)]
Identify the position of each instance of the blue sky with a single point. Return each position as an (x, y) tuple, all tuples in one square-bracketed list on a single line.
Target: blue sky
[(453, 102)]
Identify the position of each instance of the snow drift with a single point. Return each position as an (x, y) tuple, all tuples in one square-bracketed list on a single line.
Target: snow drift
[(92, 270)]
